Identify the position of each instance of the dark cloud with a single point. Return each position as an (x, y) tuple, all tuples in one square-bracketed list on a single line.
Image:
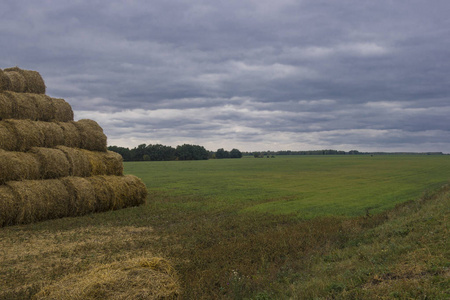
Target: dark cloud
[(251, 74)]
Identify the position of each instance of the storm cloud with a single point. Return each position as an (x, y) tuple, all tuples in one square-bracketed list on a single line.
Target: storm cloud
[(253, 75)]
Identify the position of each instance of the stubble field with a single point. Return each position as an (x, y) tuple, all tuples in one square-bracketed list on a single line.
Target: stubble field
[(297, 227)]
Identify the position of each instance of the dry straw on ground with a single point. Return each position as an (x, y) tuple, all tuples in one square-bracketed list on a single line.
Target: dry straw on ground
[(138, 278), (25, 81), (16, 166)]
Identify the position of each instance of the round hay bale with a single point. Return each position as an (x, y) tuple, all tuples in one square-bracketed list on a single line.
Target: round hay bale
[(5, 82), (137, 278), (45, 107), (8, 139), (96, 164), (104, 193), (113, 163), (18, 166), (78, 161), (53, 163), (17, 81), (91, 134), (40, 200), (137, 190), (33, 82), (52, 132), (8, 206), (63, 110), (7, 106), (25, 106), (70, 134), (82, 196), (27, 134)]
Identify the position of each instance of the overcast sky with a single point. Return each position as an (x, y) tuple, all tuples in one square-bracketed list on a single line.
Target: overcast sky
[(246, 74)]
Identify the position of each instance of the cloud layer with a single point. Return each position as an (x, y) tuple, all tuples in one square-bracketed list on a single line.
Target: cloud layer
[(256, 75)]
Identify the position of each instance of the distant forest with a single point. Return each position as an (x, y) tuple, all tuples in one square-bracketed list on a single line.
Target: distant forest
[(160, 152)]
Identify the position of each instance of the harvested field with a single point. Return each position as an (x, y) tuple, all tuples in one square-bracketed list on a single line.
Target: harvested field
[(25, 81), (150, 278)]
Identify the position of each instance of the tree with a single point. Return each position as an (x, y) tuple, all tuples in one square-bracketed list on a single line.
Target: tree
[(220, 153), (235, 153)]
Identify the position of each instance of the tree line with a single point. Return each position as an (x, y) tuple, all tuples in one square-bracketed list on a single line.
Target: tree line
[(160, 152)]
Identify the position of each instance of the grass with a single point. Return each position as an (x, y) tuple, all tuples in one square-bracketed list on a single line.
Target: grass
[(219, 224)]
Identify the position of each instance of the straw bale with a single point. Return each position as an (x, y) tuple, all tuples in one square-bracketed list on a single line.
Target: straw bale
[(8, 206), (18, 166), (104, 163), (104, 193), (91, 134), (5, 82), (137, 190), (71, 135), (8, 139), (53, 163), (7, 106), (137, 278), (17, 81), (63, 110), (40, 200), (78, 161), (27, 134), (33, 82), (52, 132), (25, 106), (82, 196)]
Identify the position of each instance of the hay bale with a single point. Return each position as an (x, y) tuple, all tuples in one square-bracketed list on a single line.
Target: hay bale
[(17, 81), (52, 132), (8, 206), (63, 110), (70, 134), (18, 166), (104, 163), (5, 82), (26, 133), (7, 106), (116, 192), (137, 278), (78, 161), (104, 193), (53, 163), (26, 106), (82, 196), (8, 140), (40, 200), (32, 80), (91, 134)]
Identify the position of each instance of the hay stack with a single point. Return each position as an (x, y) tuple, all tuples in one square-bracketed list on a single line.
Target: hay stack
[(51, 166), (34, 107), (16, 166), (25, 81), (137, 278)]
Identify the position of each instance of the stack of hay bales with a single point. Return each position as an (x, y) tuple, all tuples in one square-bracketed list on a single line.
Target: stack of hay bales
[(50, 165)]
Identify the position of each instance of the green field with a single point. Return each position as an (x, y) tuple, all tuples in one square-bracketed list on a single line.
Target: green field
[(306, 186), (290, 227)]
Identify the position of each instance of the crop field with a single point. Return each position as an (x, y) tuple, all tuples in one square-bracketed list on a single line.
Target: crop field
[(290, 227), (307, 186)]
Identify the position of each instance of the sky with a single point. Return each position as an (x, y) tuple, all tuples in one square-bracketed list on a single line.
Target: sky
[(254, 75)]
